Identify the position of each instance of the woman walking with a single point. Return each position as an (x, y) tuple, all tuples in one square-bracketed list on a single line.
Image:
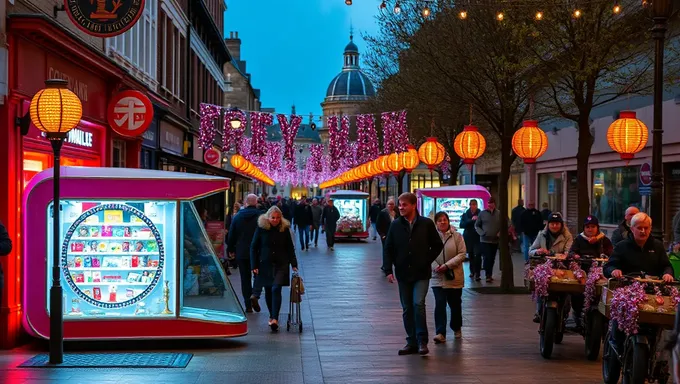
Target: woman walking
[(447, 279), (271, 253)]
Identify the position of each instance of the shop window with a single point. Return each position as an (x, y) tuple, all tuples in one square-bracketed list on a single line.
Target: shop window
[(138, 46), (118, 154), (614, 190), (550, 191)]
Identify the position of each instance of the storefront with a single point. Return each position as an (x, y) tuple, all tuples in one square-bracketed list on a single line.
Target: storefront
[(148, 157)]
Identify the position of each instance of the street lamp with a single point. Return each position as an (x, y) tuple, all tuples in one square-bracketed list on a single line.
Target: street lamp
[(56, 110), (235, 121), (660, 10)]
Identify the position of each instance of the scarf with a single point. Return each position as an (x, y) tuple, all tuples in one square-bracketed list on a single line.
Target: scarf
[(594, 239)]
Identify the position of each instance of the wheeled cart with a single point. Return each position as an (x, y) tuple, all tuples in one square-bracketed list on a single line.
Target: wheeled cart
[(297, 289)]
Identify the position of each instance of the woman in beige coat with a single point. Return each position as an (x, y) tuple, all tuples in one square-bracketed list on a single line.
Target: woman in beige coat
[(448, 279)]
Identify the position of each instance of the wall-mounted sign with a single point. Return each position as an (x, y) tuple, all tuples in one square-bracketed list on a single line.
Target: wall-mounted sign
[(104, 18), (77, 137), (212, 157), (130, 113)]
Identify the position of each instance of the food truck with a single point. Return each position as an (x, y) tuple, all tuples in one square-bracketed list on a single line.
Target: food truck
[(454, 200)]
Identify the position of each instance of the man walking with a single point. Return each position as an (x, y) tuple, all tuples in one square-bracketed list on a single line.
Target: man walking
[(241, 233), (5, 249), (303, 220), (412, 244), (329, 222), (532, 223), (373, 213), (515, 219), (471, 237), (623, 231), (317, 212), (488, 226)]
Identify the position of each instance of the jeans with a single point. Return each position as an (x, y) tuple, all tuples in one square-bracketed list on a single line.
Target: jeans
[(527, 242), (375, 231), (412, 295), (303, 230), (489, 254), (272, 296), (330, 235), (452, 296), (314, 235), (248, 288)]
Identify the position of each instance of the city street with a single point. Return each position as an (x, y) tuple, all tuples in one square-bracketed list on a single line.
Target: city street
[(352, 331)]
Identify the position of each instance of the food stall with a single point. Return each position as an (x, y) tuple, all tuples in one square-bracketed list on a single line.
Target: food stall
[(454, 200), (136, 260), (353, 207)]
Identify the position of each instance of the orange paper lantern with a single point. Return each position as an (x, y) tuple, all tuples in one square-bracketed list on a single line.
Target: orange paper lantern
[(469, 144), (431, 153), (394, 163), (627, 135), (530, 142), (409, 159), (237, 161)]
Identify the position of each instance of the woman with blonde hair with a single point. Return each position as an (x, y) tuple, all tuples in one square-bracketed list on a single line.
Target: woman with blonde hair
[(271, 253)]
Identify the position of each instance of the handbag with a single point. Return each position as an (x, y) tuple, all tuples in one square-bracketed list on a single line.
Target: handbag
[(448, 274)]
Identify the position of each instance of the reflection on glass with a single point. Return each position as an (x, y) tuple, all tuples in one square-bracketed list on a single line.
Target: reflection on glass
[(614, 190), (206, 293), (352, 214), (455, 207)]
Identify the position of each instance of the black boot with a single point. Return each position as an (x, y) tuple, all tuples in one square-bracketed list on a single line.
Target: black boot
[(422, 348), (408, 350)]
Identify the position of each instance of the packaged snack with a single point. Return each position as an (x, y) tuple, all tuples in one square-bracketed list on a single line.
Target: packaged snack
[(102, 247), (125, 261), (88, 276), (134, 262), (79, 262), (115, 247), (75, 305), (94, 245), (118, 232), (97, 293), (151, 246), (96, 263), (70, 263), (96, 277), (87, 292), (152, 263), (134, 277), (77, 247), (112, 262), (145, 233), (129, 293), (83, 232), (87, 262), (113, 216), (112, 293), (146, 278), (127, 232), (142, 260), (94, 232), (126, 246), (139, 246), (107, 231), (80, 278)]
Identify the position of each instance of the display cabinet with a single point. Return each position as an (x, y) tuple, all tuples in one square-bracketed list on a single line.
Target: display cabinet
[(454, 200), (353, 208)]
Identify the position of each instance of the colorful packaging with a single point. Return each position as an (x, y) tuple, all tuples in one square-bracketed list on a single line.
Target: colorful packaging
[(135, 262), (77, 247), (94, 246), (96, 263), (94, 232), (143, 260), (96, 277), (127, 232), (87, 262), (80, 278), (113, 216), (97, 293), (139, 246), (107, 231), (79, 262), (116, 247), (126, 246), (125, 261), (145, 233), (88, 276), (129, 293), (83, 232), (134, 277), (102, 247), (151, 246), (118, 232), (112, 294)]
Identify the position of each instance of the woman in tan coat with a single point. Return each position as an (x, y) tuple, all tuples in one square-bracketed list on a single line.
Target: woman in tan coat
[(448, 279)]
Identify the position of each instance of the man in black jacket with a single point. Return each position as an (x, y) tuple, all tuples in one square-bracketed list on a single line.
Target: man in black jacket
[(373, 213), (329, 222), (531, 222), (5, 249), (471, 237), (623, 231), (241, 231), (412, 244), (303, 220)]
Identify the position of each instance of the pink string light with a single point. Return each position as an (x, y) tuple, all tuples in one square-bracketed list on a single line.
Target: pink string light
[(207, 130), (231, 139), (258, 123), (289, 132), (367, 139)]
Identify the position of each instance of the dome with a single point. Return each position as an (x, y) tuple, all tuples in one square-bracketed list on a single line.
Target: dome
[(350, 85), (351, 47)]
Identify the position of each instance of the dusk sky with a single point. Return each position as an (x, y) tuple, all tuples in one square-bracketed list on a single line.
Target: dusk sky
[(293, 48)]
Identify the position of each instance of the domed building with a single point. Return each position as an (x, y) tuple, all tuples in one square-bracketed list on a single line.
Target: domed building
[(348, 90)]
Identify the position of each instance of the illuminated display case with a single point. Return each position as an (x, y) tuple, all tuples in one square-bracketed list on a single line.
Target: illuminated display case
[(136, 260), (453, 200), (353, 208)]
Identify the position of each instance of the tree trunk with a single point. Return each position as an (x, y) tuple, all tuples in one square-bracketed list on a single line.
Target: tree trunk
[(585, 144), (507, 273), (400, 182)]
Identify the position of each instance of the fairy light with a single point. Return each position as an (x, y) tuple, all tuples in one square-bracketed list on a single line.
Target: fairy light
[(463, 15), (426, 11), (617, 9), (397, 8), (539, 15), (577, 13), (500, 16)]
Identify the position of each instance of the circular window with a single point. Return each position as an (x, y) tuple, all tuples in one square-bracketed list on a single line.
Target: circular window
[(116, 263)]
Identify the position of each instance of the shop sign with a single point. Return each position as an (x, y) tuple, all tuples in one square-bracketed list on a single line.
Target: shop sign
[(150, 136), (76, 137), (130, 113), (171, 139), (103, 18), (212, 157), (645, 179), (674, 171)]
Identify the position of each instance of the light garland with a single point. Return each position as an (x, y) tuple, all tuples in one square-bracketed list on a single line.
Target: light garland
[(231, 139), (315, 161), (334, 146), (541, 275), (367, 139), (208, 132), (395, 132), (274, 158), (258, 123), (289, 132)]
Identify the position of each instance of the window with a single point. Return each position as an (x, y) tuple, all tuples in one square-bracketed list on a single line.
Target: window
[(614, 190), (549, 191), (118, 154), (173, 46)]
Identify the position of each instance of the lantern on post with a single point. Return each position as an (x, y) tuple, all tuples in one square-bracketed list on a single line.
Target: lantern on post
[(469, 145), (627, 135), (530, 142), (56, 110)]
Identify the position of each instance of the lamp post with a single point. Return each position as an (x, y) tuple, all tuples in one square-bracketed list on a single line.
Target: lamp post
[(56, 110), (661, 10)]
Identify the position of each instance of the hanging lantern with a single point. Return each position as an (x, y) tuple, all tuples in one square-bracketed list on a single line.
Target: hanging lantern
[(370, 169), (530, 142), (376, 167), (469, 145), (394, 163), (627, 135), (409, 159), (431, 153), (237, 161)]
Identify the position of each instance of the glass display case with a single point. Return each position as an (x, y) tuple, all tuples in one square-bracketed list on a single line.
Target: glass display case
[(353, 208), (453, 200)]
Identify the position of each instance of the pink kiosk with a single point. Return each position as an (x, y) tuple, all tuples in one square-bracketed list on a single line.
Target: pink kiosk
[(353, 208), (453, 200), (136, 260)]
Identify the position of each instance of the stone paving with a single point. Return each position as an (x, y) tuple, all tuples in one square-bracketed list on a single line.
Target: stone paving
[(352, 331)]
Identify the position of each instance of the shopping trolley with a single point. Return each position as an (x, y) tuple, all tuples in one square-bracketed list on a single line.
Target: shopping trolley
[(297, 289)]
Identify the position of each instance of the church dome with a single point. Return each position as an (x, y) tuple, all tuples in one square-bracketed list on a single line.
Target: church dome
[(351, 84)]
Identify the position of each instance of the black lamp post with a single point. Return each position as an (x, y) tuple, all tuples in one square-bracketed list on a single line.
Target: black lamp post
[(660, 10), (56, 110)]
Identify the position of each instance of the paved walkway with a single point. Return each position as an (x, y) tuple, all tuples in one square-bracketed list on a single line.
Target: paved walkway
[(352, 332)]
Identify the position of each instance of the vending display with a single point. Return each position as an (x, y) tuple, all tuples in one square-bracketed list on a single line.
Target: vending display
[(353, 208), (453, 200)]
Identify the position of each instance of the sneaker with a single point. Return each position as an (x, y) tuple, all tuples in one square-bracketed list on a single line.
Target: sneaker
[(439, 339), (489, 279), (254, 302), (458, 334)]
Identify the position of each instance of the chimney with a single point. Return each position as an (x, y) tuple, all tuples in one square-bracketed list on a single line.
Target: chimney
[(234, 45)]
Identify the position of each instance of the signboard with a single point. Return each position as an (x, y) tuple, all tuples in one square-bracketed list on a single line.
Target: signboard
[(645, 179), (551, 186), (212, 157), (150, 136), (171, 139), (104, 18), (215, 231), (130, 113)]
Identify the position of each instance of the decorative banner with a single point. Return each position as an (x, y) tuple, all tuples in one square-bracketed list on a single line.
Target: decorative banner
[(97, 19), (315, 161), (258, 146), (208, 115), (367, 139), (395, 132), (334, 146), (231, 139), (212, 157), (289, 132), (130, 113)]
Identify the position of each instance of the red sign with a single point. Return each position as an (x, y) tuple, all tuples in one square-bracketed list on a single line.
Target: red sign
[(211, 156), (130, 113), (98, 18), (646, 174)]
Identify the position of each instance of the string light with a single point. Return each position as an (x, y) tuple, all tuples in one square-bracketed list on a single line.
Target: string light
[(617, 9), (426, 11), (577, 13), (462, 15), (539, 15), (500, 16), (397, 8)]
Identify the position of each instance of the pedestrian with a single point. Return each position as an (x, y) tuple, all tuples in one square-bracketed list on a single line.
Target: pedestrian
[(303, 220), (272, 253), (412, 244), (622, 232), (447, 280), (471, 237), (317, 212), (329, 222), (515, 216), (545, 212), (231, 261), (385, 219), (532, 223), (488, 225), (5, 249), (373, 213), (241, 232)]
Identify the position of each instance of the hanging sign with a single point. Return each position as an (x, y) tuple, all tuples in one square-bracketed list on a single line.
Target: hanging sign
[(104, 18), (130, 113), (645, 187), (211, 156)]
